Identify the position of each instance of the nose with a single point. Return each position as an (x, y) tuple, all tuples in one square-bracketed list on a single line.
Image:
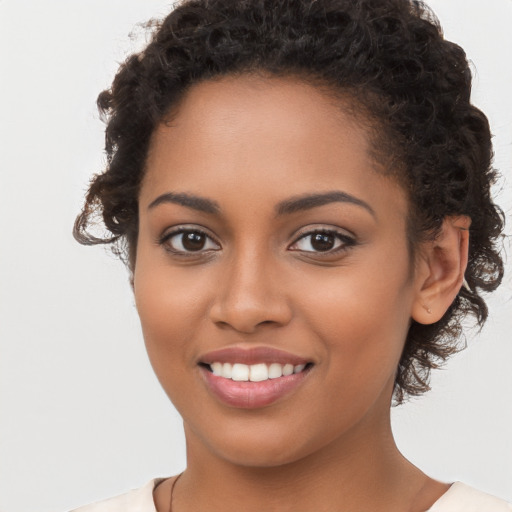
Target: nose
[(250, 295)]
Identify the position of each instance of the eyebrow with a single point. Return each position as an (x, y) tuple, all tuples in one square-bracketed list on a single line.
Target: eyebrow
[(293, 205), (308, 201), (201, 204)]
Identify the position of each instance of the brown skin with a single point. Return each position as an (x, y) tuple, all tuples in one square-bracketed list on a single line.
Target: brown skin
[(249, 143)]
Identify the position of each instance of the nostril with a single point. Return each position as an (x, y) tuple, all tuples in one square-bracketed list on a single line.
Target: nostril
[(241, 309)]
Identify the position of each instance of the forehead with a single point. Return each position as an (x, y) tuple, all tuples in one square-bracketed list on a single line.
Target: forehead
[(228, 96), (276, 136)]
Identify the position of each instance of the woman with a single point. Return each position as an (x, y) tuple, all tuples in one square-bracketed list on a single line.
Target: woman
[(301, 192)]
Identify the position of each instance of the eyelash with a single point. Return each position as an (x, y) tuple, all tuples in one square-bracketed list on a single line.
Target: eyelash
[(345, 242), (166, 238)]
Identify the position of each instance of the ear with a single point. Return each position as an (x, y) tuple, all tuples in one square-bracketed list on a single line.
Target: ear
[(440, 270)]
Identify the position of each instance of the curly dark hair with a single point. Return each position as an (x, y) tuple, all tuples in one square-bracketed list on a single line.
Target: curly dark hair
[(390, 58)]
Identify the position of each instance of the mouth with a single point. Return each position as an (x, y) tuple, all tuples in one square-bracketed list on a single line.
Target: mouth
[(259, 372), (253, 378)]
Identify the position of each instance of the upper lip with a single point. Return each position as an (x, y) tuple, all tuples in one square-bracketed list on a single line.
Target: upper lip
[(253, 355)]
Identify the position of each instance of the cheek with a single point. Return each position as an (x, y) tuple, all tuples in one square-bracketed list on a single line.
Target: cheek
[(167, 296), (362, 319), (171, 308)]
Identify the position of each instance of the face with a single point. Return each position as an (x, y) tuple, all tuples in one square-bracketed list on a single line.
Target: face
[(272, 273)]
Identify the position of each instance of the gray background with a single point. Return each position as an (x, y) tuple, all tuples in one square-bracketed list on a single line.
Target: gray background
[(82, 416)]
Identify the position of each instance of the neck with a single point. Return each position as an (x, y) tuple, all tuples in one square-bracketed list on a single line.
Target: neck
[(362, 470)]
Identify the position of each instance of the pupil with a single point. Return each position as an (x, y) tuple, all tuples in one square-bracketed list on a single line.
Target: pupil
[(193, 241), (322, 242)]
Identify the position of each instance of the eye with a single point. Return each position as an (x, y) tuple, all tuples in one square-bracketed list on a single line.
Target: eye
[(322, 241), (186, 241)]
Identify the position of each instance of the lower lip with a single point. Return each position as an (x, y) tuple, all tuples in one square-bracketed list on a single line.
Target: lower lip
[(252, 395)]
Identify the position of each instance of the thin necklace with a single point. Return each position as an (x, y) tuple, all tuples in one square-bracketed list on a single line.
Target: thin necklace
[(172, 489)]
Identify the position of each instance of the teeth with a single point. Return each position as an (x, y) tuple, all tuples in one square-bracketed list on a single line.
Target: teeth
[(240, 372), (275, 370), (287, 369), (217, 369), (255, 372), (299, 368), (227, 370), (258, 372)]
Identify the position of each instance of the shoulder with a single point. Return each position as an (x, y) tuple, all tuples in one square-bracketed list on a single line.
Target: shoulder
[(136, 500), (463, 498)]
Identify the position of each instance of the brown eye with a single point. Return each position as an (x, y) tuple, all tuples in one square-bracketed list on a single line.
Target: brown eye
[(193, 241), (323, 242), (188, 241)]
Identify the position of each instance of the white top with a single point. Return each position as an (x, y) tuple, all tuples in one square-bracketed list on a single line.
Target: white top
[(459, 498)]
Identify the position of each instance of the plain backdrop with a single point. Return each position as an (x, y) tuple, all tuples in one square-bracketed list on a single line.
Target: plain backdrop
[(82, 417)]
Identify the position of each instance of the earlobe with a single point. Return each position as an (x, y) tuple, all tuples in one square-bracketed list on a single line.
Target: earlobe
[(440, 271)]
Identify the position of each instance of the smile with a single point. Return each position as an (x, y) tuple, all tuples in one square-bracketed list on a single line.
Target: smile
[(252, 378), (240, 372)]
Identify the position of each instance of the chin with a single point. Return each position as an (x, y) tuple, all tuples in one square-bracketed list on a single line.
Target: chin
[(260, 444), (256, 454)]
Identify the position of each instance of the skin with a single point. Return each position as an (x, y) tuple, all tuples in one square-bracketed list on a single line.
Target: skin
[(249, 144)]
